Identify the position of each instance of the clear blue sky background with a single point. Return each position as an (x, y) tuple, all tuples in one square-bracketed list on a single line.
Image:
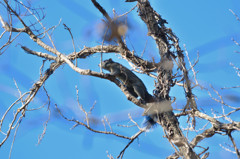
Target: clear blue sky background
[(204, 26)]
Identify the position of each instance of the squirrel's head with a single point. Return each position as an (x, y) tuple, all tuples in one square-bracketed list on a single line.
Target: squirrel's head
[(107, 63)]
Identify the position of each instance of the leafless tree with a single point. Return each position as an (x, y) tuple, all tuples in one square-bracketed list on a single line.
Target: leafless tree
[(171, 71)]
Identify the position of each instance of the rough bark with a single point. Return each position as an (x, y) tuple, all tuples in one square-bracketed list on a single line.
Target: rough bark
[(167, 120)]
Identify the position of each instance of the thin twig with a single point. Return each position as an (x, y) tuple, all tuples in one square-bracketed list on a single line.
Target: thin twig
[(132, 139), (69, 30), (127, 12), (89, 128), (14, 137), (235, 15), (40, 137)]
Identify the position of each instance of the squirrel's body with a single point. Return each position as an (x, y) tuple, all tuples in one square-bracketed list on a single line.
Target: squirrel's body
[(134, 85)]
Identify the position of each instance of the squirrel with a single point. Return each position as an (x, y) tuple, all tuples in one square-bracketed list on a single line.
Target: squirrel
[(134, 85)]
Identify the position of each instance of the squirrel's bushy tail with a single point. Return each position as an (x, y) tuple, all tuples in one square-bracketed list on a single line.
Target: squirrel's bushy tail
[(149, 122)]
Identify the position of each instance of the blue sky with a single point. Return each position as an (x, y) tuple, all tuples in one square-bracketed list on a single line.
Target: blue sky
[(205, 27)]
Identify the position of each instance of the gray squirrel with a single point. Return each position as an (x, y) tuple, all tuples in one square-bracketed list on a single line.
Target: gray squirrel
[(134, 85)]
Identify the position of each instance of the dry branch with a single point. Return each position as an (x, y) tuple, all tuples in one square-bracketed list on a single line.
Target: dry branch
[(89, 127)]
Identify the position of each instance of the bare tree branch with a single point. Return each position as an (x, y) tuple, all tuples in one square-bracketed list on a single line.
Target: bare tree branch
[(90, 128)]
